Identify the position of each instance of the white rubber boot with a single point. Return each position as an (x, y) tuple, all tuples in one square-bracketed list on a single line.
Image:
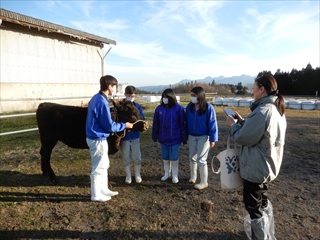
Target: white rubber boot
[(175, 171), (105, 188), (260, 228), (204, 178), (193, 172), (247, 226), (96, 194), (128, 174), (137, 169), (167, 170), (269, 211), (257, 229)]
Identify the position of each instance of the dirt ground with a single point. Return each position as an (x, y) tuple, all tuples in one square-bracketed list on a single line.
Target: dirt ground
[(294, 194), (31, 208)]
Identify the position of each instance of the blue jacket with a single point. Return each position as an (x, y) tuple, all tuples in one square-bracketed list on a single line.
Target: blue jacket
[(131, 135), (99, 124), (206, 124), (169, 125)]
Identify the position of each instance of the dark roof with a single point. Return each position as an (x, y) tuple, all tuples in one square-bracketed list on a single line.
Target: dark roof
[(24, 20)]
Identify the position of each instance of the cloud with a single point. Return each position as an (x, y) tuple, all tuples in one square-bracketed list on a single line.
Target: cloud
[(173, 40), (52, 5), (191, 19), (49, 5), (99, 27), (148, 53), (262, 20), (87, 8)]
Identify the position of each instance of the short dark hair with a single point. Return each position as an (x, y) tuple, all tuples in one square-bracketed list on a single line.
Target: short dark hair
[(106, 81), (130, 90)]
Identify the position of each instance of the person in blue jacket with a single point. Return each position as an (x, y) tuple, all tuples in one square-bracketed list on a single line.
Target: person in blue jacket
[(130, 143), (169, 129), (99, 125), (203, 133)]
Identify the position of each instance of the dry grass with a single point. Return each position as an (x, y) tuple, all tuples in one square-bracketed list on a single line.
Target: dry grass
[(31, 208)]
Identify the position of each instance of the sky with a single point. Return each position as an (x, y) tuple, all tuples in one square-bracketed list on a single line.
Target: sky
[(163, 42)]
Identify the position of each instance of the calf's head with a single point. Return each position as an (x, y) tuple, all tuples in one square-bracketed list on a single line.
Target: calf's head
[(126, 111)]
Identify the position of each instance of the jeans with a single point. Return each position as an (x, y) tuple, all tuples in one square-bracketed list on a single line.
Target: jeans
[(170, 152)]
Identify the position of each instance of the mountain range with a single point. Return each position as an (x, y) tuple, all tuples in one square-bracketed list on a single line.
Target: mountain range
[(244, 79)]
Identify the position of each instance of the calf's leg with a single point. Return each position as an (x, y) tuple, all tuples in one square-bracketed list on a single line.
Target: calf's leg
[(45, 153)]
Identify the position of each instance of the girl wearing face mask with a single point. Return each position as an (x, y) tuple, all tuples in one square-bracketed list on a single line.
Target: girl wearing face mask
[(203, 133), (169, 129), (130, 143)]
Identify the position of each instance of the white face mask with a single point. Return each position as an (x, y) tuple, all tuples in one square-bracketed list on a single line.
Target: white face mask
[(130, 99), (194, 100), (165, 100)]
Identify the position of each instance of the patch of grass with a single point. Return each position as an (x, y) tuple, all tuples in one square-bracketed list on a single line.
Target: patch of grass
[(173, 189), (7, 204), (108, 215), (141, 187), (17, 123)]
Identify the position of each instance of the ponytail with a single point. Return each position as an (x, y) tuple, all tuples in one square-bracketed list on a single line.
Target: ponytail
[(280, 104), (270, 85)]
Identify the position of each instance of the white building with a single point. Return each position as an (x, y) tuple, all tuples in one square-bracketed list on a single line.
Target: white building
[(43, 61)]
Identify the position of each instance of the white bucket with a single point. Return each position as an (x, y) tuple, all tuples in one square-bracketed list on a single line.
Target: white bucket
[(229, 168)]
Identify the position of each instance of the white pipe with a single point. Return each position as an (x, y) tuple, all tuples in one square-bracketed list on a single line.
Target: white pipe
[(17, 115), (20, 131), (40, 99)]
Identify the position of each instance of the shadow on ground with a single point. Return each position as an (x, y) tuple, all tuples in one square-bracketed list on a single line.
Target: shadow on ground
[(127, 234)]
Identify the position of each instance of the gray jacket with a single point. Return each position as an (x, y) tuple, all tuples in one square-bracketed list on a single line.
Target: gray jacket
[(262, 137)]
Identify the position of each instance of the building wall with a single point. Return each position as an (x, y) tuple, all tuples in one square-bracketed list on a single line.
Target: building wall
[(27, 96), (43, 65)]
